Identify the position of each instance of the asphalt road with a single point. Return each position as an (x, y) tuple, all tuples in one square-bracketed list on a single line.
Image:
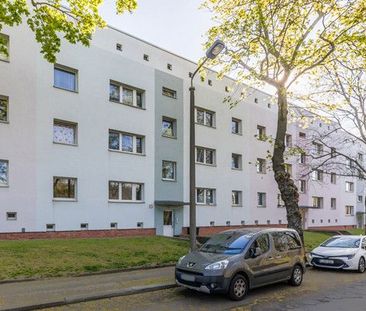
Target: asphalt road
[(321, 291)]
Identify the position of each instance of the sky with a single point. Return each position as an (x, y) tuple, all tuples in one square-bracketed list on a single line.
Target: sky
[(178, 26)]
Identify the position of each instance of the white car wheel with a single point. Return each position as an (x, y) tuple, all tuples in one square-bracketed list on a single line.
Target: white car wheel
[(361, 265)]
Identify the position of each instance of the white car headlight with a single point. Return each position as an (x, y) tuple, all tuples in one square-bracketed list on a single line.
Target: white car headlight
[(180, 259), (220, 265)]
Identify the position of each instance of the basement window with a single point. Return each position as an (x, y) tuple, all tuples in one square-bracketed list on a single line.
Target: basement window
[(11, 216), (140, 224), (84, 226), (114, 225), (50, 227)]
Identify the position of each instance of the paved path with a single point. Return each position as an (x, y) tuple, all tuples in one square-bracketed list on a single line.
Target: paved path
[(20, 294), (321, 291)]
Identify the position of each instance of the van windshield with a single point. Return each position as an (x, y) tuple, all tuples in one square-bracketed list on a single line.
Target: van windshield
[(229, 243)]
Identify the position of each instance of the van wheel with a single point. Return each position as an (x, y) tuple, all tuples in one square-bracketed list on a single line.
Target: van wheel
[(238, 287), (361, 265), (296, 276)]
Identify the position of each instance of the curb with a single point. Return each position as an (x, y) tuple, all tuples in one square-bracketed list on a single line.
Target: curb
[(80, 299), (89, 273)]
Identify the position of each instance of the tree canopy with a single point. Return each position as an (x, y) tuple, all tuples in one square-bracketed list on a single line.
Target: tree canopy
[(50, 20)]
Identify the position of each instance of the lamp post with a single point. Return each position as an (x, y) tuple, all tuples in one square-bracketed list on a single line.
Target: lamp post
[(215, 49)]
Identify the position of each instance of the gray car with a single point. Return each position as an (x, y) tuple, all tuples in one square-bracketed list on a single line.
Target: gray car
[(235, 261)]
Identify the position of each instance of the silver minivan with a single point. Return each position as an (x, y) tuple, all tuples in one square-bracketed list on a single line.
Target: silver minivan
[(235, 261)]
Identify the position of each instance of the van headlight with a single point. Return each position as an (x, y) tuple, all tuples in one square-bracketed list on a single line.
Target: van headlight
[(220, 265), (180, 259)]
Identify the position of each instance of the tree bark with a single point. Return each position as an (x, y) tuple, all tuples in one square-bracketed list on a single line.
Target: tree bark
[(286, 185)]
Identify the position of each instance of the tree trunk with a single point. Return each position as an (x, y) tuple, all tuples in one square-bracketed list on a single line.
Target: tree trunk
[(286, 185)]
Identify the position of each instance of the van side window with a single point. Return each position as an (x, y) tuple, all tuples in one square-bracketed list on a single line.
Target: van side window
[(280, 241), (292, 241), (262, 242)]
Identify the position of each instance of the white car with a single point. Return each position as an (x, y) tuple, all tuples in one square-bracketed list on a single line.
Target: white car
[(346, 252)]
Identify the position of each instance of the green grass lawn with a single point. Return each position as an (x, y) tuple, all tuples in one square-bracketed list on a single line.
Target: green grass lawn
[(313, 239), (46, 258)]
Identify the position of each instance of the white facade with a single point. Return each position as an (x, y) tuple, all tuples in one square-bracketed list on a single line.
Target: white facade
[(34, 159)]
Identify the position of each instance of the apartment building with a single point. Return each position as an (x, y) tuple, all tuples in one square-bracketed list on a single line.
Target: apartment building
[(99, 142)]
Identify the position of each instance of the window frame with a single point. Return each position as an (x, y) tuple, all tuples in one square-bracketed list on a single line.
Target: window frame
[(351, 186), (5, 185), (333, 206), (350, 208), (174, 127), (205, 112), (135, 91), (170, 93), (319, 200), (69, 70), (135, 137), (134, 186), (261, 166), (3, 57), (263, 196), (239, 196), (302, 182), (65, 123), (205, 149), (5, 99), (261, 133), (240, 161), (205, 190), (238, 122), (174, 170), (74, 199), (333, 178)]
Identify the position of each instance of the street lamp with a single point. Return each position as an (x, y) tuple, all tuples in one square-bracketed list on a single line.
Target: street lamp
[(215, 49)]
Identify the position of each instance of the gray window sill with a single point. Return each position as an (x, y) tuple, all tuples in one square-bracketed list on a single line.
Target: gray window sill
[(64, 200), (126, 202), (64, 144), (4, 122), (126, 152), (205, 164), (128, 105), (71, 91)]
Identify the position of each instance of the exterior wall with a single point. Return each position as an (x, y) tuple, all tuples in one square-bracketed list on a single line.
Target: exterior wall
[(34, 159)]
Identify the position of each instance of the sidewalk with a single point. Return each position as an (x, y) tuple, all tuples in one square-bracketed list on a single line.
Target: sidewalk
[(31, 295)]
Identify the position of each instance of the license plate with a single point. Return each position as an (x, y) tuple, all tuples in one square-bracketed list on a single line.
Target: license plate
[(187, 277), (327, 261)]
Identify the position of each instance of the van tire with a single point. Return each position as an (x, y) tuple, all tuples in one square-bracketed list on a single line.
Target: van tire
[(238, 287), (296, 276)]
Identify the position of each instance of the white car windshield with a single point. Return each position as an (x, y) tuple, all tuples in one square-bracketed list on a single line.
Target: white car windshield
[(342, 242)]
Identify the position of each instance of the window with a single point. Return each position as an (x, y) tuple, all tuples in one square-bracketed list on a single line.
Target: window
[(227, 89), (288, 140), (333, 178), (4, 108), (359, 198), (302, 158), (285, 241), (256, 100), (349, 210), (302, 186), (125, 142), (205, 155), (261, 166), (333, 203), (262, 242), (64, 132), (65, 78), (209, 82), (360, 157), (5, 40), (146, 57), (11, 216), (169, 66), (169, 93), (288, 168), (261, 199), (236, 198), (261, 132), (235, 126), (169, 127), (64, 188), (280, 202), (140, 224), (169, 170), (205, 196), (236, 161), (84, 226), (302, 135), (4, 173), (114, 225), (350, 186), (127, 95), (119, 47), (126, 191), (50, 227), (317, 202), (205, 117), (317, 175), (318, 148)]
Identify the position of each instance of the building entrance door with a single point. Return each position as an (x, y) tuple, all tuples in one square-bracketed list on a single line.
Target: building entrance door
[(168, 223)]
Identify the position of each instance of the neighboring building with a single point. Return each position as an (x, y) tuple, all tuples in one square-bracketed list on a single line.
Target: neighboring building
[(100, 141)]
